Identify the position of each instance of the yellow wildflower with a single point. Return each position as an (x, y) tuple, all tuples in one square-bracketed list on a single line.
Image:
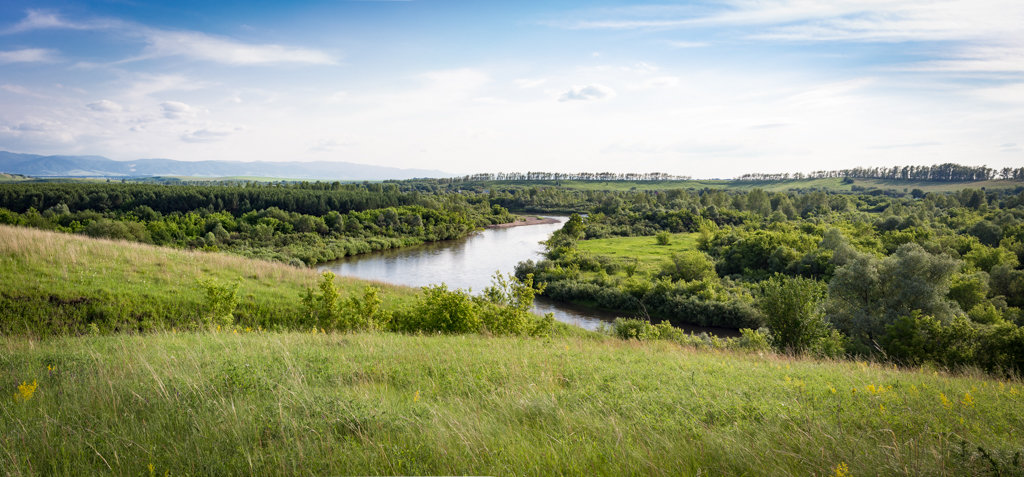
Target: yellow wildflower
[(832, 389), (968, 400), (842, 470), (25, 391), (945, 400), (416, 397)]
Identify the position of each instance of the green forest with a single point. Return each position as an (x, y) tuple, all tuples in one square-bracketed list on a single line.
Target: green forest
[(298, 223)]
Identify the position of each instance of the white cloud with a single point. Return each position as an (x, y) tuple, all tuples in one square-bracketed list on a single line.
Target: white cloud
[(688, 44), (587, 93), (104, 106), (190, 44), (527, 83), (27, 55), (38, 20), (176, 110), (205, 47), (987, 35), (211, 133)]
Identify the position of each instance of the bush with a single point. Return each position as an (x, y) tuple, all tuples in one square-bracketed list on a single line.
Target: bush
[(221, 301), (327, 309), (792, 312), (663, 238)]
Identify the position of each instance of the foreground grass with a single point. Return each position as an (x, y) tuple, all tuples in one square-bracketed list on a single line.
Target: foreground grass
[(225, 403), (58, 283)]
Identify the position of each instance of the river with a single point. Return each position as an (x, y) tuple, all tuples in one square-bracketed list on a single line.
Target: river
[(470, 263)]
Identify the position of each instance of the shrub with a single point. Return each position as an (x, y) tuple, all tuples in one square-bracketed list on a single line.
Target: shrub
[(221, 301), (663, 238), (792, 312), (754, 340)]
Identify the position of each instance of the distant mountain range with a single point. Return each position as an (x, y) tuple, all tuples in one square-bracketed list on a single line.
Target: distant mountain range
[(98, 166)]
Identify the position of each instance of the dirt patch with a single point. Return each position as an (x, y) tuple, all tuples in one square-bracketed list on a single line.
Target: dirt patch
[(525, 221)]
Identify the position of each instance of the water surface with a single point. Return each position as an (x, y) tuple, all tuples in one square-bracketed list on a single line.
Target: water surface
[(471, 263)]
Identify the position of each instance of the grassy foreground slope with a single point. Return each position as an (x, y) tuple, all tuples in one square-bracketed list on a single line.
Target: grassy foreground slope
[(315, 404), (60, 283)]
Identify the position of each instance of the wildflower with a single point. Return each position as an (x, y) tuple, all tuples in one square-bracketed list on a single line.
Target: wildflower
[(842, 470), (968, 400), (881, 408), (152, 470), (831, 389), (945, 401), (416, 397), (25, 391), (567, 347)]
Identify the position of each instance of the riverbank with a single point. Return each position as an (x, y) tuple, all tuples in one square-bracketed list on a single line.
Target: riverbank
[(526, 220)]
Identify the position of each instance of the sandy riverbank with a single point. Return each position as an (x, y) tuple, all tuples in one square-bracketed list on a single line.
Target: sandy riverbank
[(527, 220)]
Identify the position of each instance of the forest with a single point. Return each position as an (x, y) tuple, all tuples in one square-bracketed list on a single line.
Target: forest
[(913, 278), (298, 223)]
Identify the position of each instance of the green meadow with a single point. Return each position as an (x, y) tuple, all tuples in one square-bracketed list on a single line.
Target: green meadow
[(644, 250), (301, 403)]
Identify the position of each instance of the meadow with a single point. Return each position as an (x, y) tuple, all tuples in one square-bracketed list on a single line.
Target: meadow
[(644, 251), (302, 403)]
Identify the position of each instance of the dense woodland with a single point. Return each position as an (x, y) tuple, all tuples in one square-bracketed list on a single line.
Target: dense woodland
[(935, 278), (302, 223)]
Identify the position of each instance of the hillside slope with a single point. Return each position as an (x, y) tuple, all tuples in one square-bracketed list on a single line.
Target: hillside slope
[(58, 283)]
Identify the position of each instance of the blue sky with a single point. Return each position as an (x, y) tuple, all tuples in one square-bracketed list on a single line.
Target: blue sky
[(708, 89)]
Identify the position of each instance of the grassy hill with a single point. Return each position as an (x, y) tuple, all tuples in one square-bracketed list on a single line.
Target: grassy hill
[(5, 177), (69, 281), (246, 400)]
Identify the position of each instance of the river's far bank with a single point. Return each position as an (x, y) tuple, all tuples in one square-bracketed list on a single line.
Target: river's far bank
[(526, 220)]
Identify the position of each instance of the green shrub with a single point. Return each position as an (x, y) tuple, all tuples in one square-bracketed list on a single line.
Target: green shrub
[(221, 301), (754, 340), (792, 312)]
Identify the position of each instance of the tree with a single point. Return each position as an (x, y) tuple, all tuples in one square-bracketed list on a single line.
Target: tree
[(792, 312), (867, 294)]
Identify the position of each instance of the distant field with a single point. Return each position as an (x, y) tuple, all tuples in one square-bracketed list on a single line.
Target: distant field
[(645, 250), (4, 177), (361, 404)]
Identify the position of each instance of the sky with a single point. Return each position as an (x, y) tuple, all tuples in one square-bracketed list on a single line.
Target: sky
[(704, 89)]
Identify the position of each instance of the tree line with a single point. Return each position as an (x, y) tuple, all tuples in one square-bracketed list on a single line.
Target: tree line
[(936, 173)]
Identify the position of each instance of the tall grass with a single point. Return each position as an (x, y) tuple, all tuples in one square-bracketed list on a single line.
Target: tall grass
[(268, 403), (58, 284)]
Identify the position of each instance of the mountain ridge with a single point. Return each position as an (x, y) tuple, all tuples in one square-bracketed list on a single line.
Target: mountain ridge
[(98, 166)]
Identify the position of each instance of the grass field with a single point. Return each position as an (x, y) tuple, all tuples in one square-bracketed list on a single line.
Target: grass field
[(69, 280), (252, 403), (5, 177), (644, 250)]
